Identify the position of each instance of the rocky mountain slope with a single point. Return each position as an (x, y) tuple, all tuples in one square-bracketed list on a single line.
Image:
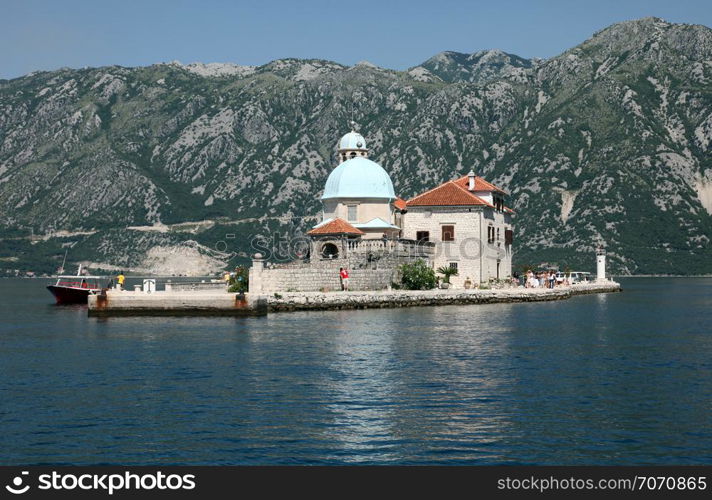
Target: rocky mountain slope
[(479, 67), (606, 144)]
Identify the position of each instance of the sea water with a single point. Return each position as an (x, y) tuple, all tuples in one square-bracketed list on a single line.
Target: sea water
[(622, 378)]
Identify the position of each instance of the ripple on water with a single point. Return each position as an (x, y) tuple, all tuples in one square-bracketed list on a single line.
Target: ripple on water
[(615, 379)]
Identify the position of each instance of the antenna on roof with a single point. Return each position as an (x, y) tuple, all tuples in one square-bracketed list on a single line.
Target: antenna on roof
[(61, 269), (352, 122)]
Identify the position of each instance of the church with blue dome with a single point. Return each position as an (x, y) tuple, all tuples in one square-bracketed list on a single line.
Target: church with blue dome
[(359, 200), (462, 224)]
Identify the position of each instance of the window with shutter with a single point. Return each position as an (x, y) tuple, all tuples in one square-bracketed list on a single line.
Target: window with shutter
[(448, 233), (508, 236)]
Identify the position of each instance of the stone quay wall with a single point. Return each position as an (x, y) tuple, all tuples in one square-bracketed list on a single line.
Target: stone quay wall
[(222, 303), (175, 303), (367, 271), (372, 265), (410, 298), (322, 276)]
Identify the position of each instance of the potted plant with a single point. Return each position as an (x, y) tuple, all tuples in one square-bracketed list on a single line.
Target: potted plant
[(446, 271)]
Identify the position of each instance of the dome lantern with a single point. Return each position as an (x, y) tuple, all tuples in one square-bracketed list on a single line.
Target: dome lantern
[(352, 145)]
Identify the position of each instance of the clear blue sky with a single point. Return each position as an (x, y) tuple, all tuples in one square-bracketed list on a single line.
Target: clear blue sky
[(44, 35)]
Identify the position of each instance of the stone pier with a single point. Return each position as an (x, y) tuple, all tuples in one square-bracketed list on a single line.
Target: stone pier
[(176, 303), (222, 303), (309, 301)]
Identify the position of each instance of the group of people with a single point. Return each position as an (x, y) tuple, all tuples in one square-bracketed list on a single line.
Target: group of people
[(540, 280)]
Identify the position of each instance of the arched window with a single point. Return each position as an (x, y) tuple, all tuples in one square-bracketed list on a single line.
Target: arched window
[(329, 251)]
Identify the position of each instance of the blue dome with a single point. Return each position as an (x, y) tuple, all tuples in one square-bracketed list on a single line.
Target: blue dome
[(359, 178), (352, 140)]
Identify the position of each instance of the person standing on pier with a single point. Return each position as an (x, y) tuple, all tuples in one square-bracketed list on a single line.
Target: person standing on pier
[(120, 280), (344, 274)]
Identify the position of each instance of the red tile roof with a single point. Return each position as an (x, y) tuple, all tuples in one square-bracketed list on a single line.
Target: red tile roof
[(399, 203), (335, 226), (447, 194), (480, 184)]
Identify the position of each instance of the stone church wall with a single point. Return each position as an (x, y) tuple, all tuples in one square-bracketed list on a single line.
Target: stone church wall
[(366, 272)]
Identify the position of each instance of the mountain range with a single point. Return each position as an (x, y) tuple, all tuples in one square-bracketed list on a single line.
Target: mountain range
[(176, 168)]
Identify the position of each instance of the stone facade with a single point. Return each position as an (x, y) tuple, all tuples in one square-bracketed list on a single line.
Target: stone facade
[(324, 277), (478, 257), (362, 211), (372, 265), (497, 258)]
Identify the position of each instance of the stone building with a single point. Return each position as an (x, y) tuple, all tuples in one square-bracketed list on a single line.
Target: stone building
[(370, 231), (470, 225)]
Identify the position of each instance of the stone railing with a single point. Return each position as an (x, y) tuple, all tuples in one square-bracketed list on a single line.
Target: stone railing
[(194, 286), (296, 264), (401, 247)]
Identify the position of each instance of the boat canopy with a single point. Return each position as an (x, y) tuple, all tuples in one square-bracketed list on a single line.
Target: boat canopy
[(81, 277)]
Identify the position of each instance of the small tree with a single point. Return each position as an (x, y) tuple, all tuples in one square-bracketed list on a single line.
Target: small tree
[(417, 276), (241, 282), (447, 271)]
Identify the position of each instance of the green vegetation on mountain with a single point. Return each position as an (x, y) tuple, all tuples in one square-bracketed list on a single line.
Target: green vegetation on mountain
[(607, 144)]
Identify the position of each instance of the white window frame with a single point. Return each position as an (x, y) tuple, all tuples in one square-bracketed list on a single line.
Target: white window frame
[(348, 213)]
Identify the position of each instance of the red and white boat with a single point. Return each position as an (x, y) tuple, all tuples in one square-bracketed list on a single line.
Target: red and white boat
[(75, 289)]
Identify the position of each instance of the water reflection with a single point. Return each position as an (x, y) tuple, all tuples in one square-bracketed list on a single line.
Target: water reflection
[(620, 378), (399, 393), (361, 385)]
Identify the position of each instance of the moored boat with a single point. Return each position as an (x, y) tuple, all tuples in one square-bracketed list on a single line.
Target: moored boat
[(75, 289)]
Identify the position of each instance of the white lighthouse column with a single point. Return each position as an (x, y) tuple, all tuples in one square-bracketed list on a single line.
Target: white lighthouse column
[(600, 265)]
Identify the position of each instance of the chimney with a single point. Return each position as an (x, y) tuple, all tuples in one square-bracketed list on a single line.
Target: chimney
[(471, 178)]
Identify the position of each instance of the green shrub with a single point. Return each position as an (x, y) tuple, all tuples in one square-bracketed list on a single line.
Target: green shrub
[(417, 276), (240, 283)]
